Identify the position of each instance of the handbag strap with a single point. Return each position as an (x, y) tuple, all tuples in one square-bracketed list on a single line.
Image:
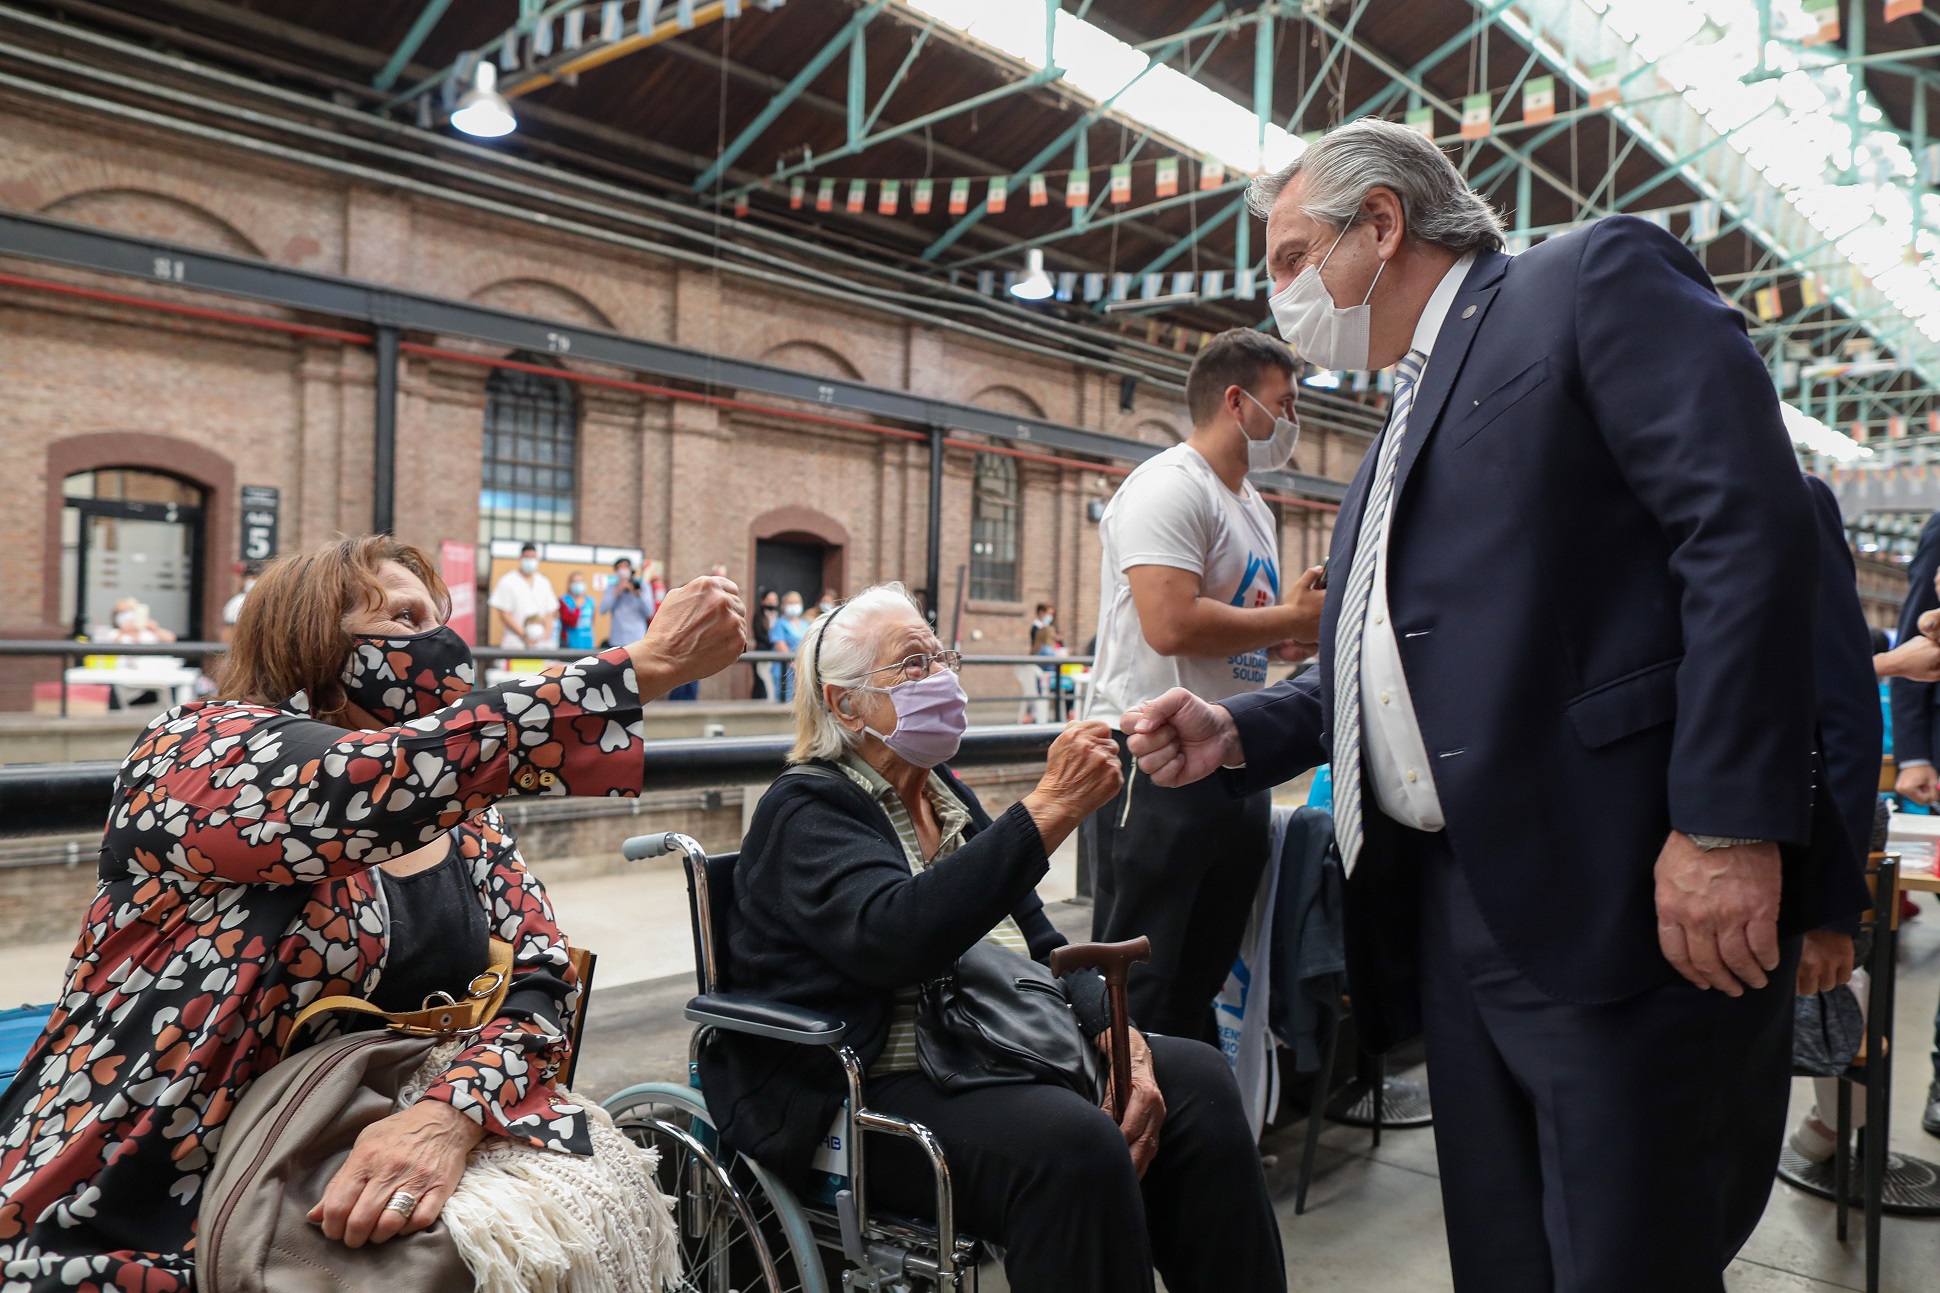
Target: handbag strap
[(488, 991)]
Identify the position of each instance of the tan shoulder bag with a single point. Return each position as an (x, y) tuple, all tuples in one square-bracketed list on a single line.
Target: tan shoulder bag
[(296, 1126)]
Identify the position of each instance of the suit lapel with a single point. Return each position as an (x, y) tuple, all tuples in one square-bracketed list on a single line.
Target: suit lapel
[(1465, 315)]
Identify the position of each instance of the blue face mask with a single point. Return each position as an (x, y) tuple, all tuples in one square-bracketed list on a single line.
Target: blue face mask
[(791, 611)]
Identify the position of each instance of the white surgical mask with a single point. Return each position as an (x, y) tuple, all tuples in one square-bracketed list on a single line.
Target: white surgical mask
[(1319, 331), (1272, 453), (576, 587), (529, 564)]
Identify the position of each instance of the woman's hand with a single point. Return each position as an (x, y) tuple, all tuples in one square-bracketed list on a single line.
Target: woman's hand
[(1081, 775), (420, 1150), (1145, 1108), (700, 629)]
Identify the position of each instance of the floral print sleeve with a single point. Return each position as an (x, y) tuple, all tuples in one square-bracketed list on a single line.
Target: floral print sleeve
[(504, 1080), (226, 794)]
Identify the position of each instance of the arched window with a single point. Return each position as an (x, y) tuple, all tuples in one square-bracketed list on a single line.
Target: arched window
[(993, 530), (531, 455)]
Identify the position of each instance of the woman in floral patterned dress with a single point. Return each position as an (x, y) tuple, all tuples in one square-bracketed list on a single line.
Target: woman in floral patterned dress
[(251, 844)]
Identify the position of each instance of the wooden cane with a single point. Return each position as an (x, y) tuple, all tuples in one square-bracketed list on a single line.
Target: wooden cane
[(1114, 961)]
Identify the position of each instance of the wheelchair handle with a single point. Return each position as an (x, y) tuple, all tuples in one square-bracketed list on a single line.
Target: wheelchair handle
[(641, 847)]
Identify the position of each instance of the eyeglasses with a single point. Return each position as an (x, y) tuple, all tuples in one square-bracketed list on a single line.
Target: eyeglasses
[(922, 665)]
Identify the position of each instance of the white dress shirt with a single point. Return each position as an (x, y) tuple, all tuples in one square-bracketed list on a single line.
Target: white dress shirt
[(1395, 761)]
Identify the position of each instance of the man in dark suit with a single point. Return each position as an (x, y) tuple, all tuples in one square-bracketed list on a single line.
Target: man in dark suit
[(1566, 689)]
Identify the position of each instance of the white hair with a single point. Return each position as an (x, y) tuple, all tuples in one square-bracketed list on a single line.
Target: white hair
[(1343, 164), (843, 660)]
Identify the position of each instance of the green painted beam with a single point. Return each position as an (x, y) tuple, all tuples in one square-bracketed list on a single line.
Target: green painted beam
[(413, 41)]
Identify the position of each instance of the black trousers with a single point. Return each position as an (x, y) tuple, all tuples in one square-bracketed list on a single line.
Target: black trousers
[(1047, 1174), (1592, 1148), (1181, 867)]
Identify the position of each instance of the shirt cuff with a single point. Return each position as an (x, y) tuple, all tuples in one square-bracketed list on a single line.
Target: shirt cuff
[(1904, 764)]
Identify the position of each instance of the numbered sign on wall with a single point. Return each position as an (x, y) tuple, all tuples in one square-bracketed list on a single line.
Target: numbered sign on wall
[(260, 507)]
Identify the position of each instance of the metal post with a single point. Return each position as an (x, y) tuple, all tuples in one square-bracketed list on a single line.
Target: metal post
[(1922, 178), (858, 83), (1263, 76), (1855, 46), (1523, 199), (933, 560), (384, 435)]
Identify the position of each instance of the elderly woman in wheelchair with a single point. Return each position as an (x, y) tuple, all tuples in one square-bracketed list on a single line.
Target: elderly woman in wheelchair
[(869, 872)]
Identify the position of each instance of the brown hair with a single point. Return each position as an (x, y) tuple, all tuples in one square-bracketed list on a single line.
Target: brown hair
[(1236, 357), (291, 637)]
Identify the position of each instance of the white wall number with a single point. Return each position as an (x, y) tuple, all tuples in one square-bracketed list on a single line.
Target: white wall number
[(167, 267), (558, 342), (826, 394)]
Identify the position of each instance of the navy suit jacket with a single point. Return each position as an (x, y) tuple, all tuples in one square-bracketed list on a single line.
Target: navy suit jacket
[(1601, 570), (1850, 729), (1915, 703)]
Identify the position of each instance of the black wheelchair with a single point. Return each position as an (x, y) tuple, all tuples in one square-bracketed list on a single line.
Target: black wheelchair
[(742, 1229)]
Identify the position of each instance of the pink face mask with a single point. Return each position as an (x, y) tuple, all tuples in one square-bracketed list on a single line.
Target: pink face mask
[(931, 714)]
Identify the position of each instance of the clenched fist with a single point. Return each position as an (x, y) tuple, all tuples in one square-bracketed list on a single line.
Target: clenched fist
[(700, 629), (1081, 775)]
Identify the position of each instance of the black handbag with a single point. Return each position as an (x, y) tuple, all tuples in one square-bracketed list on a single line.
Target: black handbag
[(1001, 1019)]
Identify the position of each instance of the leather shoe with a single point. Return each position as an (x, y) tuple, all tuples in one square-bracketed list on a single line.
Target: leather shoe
[(1931, 1121)]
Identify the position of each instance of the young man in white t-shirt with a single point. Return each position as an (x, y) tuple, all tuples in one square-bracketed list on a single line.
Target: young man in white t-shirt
[(1191, 597), (520, 595)]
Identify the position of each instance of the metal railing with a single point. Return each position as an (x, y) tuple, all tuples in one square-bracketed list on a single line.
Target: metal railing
[(70, 651), (44, 798)]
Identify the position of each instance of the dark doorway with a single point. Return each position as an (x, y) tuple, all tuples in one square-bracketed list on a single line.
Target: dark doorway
[(784, 566)]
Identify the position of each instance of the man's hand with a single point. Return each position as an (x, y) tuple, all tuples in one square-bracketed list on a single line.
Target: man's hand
[(700, 629), (1919, 784), (1825, 962), (1717, 912), (1179, 739), (1307, 597), (420, 1150), (1917, 659), (1144, 1107)]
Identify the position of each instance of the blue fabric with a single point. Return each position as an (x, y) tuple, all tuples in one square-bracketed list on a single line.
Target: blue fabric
[(580, 636), (20, 1028), (1602, 569)]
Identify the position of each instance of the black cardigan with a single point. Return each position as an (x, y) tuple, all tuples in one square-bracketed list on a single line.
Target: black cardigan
[(828, 916)]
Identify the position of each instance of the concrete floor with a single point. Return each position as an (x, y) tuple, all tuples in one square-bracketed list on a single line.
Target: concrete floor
[(1374, 1215)]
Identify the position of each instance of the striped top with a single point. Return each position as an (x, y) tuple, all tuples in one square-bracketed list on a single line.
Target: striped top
[(952, 820)]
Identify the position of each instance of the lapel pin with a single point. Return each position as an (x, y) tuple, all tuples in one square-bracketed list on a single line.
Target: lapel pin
[(1469, 313)]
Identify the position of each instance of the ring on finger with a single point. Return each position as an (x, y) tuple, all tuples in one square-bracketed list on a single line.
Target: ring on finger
[(404, 1203)]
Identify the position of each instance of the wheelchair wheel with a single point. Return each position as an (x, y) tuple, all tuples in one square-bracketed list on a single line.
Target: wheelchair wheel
[(741, 1231)]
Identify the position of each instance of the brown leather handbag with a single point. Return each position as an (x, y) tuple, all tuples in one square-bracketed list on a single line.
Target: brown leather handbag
[(293, 1129)]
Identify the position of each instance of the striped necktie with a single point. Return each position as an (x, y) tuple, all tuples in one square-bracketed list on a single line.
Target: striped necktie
[(1353, 617)]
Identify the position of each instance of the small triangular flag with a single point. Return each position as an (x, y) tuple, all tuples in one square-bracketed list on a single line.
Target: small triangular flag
[(1475, 116), (1538, 100)]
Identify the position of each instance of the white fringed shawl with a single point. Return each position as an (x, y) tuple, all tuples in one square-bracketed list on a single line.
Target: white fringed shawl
[(529, 1220)]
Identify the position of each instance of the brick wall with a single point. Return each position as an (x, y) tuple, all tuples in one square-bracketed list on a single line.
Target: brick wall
[(682, 481)]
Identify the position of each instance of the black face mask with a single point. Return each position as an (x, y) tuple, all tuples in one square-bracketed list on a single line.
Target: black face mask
[(398, 677)]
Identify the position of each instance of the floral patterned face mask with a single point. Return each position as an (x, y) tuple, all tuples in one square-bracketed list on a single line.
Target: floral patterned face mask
[(398, 677)]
